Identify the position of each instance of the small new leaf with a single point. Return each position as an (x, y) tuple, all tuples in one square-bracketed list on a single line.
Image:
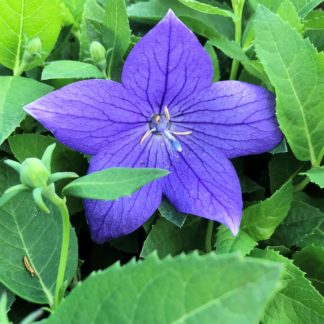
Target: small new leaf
[(111, 184)]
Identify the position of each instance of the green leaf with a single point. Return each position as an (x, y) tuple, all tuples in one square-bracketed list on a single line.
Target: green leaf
[(170, 213), (296, 70), (287, 12), (298, 301), (206, 8), (76, 9), (166, 238), (70, 70), (260, 220), (29, 18), (315, 20), (302, 221), (165, 291), (316, 175), (91, 27), (25, 231), (10, 296), (15, 92), (303, 7), (25, 146), (284, 167), (203, 24), (118, 33), (233, 50), (4, 309), (113, 183), (311, 260), (227, 243), (213, 56)]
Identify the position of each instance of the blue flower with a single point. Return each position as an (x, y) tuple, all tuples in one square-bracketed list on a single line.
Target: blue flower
[(166, 113)]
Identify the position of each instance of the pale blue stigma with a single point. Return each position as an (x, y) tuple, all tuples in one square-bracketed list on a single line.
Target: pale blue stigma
[(160, 125), (173, 141)]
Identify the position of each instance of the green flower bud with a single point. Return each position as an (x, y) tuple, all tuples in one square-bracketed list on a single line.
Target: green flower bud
[(98, 55), (34, 173), (33, 49)]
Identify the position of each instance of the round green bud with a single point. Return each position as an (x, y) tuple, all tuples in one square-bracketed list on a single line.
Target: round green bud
[(98, 55), (97, 51), (34, 173), (33, 48)]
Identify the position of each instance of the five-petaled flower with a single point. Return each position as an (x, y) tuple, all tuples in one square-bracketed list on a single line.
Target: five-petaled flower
[(167, 113)]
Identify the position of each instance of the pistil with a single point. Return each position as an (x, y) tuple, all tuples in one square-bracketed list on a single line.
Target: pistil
[(160, 125)]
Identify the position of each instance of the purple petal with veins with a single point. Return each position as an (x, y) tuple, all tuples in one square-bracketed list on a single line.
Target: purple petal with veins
[(167, 113)]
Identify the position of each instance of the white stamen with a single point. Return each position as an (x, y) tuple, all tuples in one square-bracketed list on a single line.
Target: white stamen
[(147, 134), (167, 113), (182, 133)]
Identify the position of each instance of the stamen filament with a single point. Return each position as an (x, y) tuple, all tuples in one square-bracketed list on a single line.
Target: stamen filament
[(167, 113), (147, 134), (182, 133)]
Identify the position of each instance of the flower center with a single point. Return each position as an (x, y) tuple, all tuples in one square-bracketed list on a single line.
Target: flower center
[(160, 125)]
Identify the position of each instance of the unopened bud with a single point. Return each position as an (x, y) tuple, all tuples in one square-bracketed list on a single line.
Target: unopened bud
[(98, 55), (32, 49), (34, 173)]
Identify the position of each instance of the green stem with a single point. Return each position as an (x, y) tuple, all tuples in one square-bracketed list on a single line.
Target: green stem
[(238, 10), (208, 238), (61, 205), (20, 70), (302, 185)]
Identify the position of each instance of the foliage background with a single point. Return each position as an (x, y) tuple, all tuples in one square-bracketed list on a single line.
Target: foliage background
[(272, 272)]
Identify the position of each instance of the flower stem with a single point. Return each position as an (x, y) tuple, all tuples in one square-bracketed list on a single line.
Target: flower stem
[(20, 69), (61, 205), (238, 10), (302, 185), (208, 238)]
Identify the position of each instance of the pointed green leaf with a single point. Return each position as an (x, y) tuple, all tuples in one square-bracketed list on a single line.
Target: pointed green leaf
[(20, 18), (4, 309), (170, 213), (316, 175), (298, 301), (302, 223), (203, 24), (296, 70), (76, 9), (166, 238), (210, 49), (118, 32), (284, 167), (260, 220), (315, 20), (303, 7), (206, 8), (311, 260), (10, 296), (288, 13), (70, 70), (16, 92), (165, 291), (227, 243), (113, 183)]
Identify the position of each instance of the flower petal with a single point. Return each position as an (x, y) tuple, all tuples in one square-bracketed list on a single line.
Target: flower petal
[(203, 182), (112, 219), (234, 117), (89, 115), (167, 65)]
